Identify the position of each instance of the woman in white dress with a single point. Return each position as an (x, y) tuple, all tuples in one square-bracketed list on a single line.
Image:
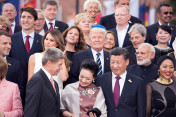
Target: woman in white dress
[(52, 38)]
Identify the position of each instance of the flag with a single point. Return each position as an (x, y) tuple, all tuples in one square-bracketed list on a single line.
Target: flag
[(31, 3)]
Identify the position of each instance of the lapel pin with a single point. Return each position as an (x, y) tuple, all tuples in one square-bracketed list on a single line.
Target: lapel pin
[(130, 80), (107, 58), (9, 64), (171, 28), (129, 21), (56, 27)]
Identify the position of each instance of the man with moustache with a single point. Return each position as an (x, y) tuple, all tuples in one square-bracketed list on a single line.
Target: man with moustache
[(144, 68)]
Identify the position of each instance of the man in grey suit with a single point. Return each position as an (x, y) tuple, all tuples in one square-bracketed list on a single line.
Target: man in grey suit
[(42, 92)]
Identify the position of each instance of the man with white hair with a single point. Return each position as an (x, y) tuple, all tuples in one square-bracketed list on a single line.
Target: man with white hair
[(144, 68)]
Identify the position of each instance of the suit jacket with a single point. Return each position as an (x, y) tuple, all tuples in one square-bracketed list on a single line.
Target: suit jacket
[(19, 52), (109, 21), (61, 26), (151, 34), (41, 99), (17, 28), (15, 74), (132, 99), (126, 42), (132, 57), (79, 57), (10, 101)]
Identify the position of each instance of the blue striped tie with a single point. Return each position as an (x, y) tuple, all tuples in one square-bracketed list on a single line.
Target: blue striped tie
[(99, 64)]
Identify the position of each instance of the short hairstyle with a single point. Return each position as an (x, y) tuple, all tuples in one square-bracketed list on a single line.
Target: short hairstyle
[(123, 6), (91, 65), (165, 28), (9, 4), (152, 49), (107, 32), (56, 34), (96, 29), (139, 28), (81, 45), (31, 10), (80, 17), (39, 10), (50, 2), (3, 67), (87, 2), (117, 51), (52, 54), (163, 58), (6, 21), (4, 33), (116, 1), (162, 5)]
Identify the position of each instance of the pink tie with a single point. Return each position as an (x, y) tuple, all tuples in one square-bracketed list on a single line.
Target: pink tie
[(27, 44), (10, 32), (52, 82), (116, 92), (51, 27)]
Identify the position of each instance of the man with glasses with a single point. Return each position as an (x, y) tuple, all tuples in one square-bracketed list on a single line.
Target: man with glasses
[(39, 23), (165, 14)]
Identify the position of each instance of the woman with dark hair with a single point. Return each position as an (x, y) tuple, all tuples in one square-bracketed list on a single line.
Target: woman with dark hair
[(10, 101), (78, 98), (161, 95), (74, 40), (52, 38), (110, 41), (163, 35)]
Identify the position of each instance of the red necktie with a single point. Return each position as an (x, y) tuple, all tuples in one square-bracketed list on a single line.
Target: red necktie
[(52, 82), (51, 26), (27, 44), (10, 32), (116, 92)]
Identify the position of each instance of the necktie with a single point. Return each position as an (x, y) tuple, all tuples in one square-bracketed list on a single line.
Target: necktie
[(116, 93), (51, 26), (27, 44), (10, 32), (52, 82), (99, 64)]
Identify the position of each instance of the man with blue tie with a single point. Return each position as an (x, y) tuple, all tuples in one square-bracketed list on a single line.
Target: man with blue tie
[(96, 52), (124, 93)]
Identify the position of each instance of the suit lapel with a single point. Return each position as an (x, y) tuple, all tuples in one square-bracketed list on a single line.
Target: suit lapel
[(106, 61), (117, 41), (126, 88), (90, 54), (35, 43), (45, 27), (3, 86), (132, 54), (126, 40)]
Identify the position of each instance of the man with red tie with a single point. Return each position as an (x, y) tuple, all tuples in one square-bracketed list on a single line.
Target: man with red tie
[(124, 93), (26, 42)]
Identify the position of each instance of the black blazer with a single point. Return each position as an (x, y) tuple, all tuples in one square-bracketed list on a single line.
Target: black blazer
[(19, 52), (61, 26), (17, 28), (41, 99), (15, 74), (126, 42), (109, 21), (151, 34), (132, 57), (132, 102), (79, 57)]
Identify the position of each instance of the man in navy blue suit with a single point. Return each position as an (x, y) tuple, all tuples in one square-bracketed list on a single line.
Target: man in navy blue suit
[(26, 42), (125, 94)]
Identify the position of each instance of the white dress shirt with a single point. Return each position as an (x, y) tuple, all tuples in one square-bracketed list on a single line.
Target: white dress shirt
[(42, 32), (48, 25), (47, 73), (101, 57), (121, 81), (13, 27), (121, 35), (31, 39)]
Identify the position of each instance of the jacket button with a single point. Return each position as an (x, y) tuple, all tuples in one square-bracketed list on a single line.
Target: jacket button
[(115, 109)]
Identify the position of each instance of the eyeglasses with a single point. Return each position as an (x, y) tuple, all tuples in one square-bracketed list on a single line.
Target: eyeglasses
[(165, 13), (136, 37), (3, 26), (40, 19)]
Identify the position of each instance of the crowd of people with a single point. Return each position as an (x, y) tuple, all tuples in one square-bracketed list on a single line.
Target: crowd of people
[(117, 68)]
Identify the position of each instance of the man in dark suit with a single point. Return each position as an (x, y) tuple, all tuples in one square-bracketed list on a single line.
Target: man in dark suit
[(26, 42), (97, 38), (165, 14), (137, 36), (125, 94), (9, 11), (122, 16), (50, 9), (42, 92), (109, 20), (14, 73)]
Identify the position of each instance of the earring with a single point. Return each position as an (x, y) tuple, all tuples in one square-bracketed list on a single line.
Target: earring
[(65, 42)]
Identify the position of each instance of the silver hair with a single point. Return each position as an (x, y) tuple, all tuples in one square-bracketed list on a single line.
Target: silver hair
[(152, 49), (39, 10), (52, 54), (139, 28), (117, 1), (101, 30), (9, 4), (50, 2), (87, 2)]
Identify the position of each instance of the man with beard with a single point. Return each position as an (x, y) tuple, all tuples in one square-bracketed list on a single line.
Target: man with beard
[(144, 68), (164, 13)]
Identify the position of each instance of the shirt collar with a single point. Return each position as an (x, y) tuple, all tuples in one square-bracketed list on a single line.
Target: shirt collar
[(50, 22), (95, 52), (31, 34), (47, 73), (161, 24), (126, 28), (14, 23), (123, 76)]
